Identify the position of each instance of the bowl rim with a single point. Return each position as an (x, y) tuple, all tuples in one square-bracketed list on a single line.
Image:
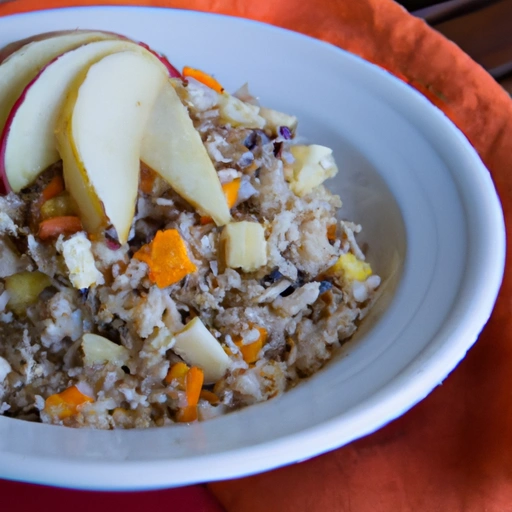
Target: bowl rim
[(387, 404)]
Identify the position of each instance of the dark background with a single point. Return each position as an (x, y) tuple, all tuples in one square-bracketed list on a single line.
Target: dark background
[(482, 28), (412, 5)]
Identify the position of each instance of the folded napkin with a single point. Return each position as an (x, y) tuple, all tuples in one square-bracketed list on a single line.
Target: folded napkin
[(453, 451)]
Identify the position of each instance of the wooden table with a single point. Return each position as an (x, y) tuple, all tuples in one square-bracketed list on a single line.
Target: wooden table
[(482, 28)]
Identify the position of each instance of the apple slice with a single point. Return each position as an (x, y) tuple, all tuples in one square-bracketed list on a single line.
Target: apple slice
[(173, 72), (99, 134), (32, 120), (6, 51), (17, 70), (23, 65), (173, 148)]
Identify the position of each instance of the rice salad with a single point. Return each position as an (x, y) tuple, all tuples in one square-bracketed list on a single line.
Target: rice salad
[(187, 320)]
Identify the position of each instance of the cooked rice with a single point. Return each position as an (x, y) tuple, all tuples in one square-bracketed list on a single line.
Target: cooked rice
[(306, 311)]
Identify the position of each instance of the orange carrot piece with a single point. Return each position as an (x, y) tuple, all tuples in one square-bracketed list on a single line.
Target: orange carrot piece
[(52, 228), (147, 179), (231, 190), (54, 188), (204, 78), (194, 382), (167, 258), (67, 403), (331, 232), (205, 220), (210, 397), (195, 379), (144, 254), (187, 414), (250, 351), (177, 371)]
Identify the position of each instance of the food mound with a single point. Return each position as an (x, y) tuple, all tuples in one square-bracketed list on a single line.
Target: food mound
[(168, 251)]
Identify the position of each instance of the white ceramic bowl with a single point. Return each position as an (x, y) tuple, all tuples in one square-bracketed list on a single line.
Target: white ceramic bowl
[(435, 232)]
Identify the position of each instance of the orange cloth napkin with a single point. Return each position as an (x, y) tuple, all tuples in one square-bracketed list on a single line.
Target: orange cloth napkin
[(453, 451)]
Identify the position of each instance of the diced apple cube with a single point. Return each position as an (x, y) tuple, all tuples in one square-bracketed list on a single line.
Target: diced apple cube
[(198, 347), (274, 119), (245, 246), (238, 113), (351, 268), (100, 350), (24, 289), (79, 260), (313, 165)]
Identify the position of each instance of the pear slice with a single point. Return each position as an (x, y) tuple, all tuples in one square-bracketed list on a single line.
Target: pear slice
[(99, 134), (173, 148), (19, 68), (100, 350), (198, 347), (32, 120)]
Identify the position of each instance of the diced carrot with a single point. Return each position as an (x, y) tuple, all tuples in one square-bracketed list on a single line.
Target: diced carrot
[(167, 258), (144, 254), (194, 382), (203, 220), (331, 232), (52, 228), (54, 188), (177, 371), (210, 397), (231, 190), (204, 78), (195, 379), (187, 414), (67, 403), (147, 179), (251, 350), (263, 334)]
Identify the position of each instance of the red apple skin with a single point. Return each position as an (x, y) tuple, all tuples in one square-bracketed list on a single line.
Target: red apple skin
[(5, 188), (6, 51), (173, 72)]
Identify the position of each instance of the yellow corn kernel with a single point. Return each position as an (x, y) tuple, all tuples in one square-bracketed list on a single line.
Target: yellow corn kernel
[(24, 289), (349, 267), (58, 206)]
